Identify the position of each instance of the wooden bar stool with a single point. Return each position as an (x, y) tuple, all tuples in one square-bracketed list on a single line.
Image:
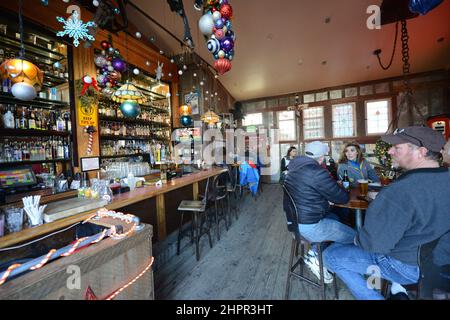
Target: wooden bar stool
[(199, 218)]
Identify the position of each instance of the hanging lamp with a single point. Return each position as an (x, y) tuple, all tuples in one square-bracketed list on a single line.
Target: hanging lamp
[(210, 117), (25, 77), (128, 92)]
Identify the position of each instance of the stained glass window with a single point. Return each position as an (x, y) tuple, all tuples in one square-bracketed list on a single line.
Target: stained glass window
[(377, 116), (344, 120)]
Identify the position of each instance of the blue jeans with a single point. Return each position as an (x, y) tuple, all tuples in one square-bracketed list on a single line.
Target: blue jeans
[(327, 229), (351, 264)]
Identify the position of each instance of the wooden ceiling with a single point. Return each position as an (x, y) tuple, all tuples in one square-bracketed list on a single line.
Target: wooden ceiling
[(286, 47)]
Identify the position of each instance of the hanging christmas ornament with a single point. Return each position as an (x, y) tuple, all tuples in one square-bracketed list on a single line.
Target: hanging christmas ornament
[(119, 65), (136, 71), (147, 63), (44, 2), (186, 121), (75, 28), (95, 3), (222, 65), (185, 110), (159, 71), (90, 131), (138, 35), (206, 24), (105, 45), (130, 108), (180, 72)]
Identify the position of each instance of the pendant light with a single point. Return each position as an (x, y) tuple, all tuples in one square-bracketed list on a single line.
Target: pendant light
[(26, 78)]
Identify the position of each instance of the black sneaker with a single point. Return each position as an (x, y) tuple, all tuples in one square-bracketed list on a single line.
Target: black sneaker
[(398, 296)]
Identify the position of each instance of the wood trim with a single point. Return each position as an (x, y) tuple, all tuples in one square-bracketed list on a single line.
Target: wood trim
[(119, 201), (161, 217)]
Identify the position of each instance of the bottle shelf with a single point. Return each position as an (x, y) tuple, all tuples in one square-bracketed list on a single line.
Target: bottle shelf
[(115, 138), (32, 132), (26, 162), (38, 102), (135, 121), (124, 155)]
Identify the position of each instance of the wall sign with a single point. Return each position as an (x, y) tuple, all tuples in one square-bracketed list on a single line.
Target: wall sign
[(87, 114)]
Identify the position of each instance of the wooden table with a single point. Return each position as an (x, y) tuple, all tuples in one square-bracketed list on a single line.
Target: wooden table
[(356, 204), (120, 201)]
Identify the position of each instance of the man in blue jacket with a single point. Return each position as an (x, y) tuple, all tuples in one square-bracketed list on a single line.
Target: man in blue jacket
[(408, 213), (312, 188)]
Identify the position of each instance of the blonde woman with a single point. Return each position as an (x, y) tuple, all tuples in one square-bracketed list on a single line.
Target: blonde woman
[(357, 168)]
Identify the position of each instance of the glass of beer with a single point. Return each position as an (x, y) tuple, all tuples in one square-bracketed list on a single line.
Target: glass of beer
[(363, 187)]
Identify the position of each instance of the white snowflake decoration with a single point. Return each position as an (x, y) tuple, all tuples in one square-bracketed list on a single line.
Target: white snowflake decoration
[(75, 28)]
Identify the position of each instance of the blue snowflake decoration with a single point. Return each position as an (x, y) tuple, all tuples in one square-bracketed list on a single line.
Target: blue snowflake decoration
[(75, 28)]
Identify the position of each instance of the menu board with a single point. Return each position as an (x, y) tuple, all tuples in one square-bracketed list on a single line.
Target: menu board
[(183, 135)]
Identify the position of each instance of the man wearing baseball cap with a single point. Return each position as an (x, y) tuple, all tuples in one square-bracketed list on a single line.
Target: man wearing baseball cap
[(312, 188), (407, 214)]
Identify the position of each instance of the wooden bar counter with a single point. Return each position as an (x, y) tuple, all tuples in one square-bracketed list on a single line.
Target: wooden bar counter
[(127, 199)]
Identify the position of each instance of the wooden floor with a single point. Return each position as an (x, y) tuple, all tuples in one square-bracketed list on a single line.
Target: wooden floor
[(249, 262)]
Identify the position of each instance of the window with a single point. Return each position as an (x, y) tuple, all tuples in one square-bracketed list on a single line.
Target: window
[(286, 123), (377, 116), (252, 119), (313, 123), (344, 120)]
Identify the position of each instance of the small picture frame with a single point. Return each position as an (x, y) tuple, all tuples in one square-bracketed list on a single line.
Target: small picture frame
[(90, 164)]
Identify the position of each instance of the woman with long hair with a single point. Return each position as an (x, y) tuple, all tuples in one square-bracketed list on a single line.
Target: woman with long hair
[(357, 167), (291, 154)]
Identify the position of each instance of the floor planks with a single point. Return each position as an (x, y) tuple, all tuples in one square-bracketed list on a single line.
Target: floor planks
[(249, 262)]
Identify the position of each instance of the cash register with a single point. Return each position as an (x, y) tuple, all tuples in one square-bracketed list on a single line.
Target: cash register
[(18, 180)]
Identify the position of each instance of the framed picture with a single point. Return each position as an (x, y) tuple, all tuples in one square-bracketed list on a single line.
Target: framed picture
[(192, 99)]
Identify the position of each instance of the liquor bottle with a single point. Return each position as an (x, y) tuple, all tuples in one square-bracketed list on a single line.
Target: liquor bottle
[(38, 119), (8, 118), (23, 119), (32, 120), (59, 122), (346, 181), (48, 150), (60, 149), (66, 149)]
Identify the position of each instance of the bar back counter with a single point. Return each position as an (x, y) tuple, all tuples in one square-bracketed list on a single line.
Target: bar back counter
[(109, 265)]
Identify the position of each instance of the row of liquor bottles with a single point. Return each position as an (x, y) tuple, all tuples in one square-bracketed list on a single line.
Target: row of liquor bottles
[(48, 148), (146, 115), (23, 117), (129, 130), (158, 152)]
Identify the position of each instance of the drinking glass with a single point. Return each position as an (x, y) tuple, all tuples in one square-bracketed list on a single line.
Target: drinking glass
[(363, 187), (14, 219)]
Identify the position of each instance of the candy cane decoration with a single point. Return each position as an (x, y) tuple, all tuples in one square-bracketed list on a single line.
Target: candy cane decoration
[(90, 130)]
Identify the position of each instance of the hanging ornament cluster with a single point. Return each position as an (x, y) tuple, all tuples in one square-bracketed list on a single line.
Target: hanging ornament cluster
[(215, 24), (75, 28), (110, 67), (185, 112)]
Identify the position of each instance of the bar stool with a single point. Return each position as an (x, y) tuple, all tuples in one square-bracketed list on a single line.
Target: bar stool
[(219, 193), (290, 209), (231, 189), (199, 217)]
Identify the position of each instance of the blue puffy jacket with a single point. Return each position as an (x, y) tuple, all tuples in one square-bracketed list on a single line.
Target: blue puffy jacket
[(250, 176)]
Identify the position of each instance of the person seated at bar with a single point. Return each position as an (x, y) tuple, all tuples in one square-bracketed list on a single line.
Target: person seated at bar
[(312, 187), (408, 213), (357, 167), (291, 154)]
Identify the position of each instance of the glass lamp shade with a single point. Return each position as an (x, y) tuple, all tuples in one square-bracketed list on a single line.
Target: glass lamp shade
[(210, 117), (128, 92), (20, 70), (185, 110)]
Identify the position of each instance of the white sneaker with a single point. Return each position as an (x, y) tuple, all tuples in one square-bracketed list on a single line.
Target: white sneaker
[(312, 261)]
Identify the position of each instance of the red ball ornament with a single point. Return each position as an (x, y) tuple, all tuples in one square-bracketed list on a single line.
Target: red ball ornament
[(226, 11), (105, 45), (213, 10), (222, 65), (109, 58)]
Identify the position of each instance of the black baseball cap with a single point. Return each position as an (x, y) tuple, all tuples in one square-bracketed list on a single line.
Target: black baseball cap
[(419, 136)]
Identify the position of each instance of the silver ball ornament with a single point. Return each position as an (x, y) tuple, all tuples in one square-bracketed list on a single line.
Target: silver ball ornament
[(180, 72), (136, 71), (138, 35)]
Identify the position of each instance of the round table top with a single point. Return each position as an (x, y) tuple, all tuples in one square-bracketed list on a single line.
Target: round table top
[(354, 202)]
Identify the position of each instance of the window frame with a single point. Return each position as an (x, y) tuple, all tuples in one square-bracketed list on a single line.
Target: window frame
[(254, 124), (323, 123), (295, 125), (389, 112), (355, 128)]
